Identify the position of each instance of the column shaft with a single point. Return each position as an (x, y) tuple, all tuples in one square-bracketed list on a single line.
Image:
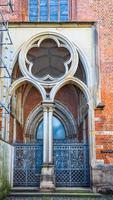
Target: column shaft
[(14, 130), (45, 137), (50, 135)]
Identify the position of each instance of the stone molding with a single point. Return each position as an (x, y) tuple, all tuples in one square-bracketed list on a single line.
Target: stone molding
[(59, 111)]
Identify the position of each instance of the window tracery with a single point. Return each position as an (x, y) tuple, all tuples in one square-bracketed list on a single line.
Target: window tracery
[(48, 59)]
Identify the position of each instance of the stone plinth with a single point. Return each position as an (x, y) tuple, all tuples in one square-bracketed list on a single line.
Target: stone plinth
[(47, 182)]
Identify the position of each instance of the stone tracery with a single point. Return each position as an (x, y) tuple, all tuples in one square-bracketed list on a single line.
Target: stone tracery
[(48, 58)]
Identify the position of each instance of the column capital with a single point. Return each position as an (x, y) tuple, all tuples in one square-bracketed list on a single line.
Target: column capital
[(48, 106), (51, 109), (45, 108)]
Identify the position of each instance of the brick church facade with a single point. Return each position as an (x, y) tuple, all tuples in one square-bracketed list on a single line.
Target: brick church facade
[(56, 90)]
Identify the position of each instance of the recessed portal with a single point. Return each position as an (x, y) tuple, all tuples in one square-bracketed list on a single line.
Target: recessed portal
[(53, 142)]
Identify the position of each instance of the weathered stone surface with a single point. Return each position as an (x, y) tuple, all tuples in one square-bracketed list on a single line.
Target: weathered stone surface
[(47, 178), (103, 179)]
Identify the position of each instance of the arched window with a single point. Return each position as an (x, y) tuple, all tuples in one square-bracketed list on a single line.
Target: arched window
[(58, 129), (52, 10)]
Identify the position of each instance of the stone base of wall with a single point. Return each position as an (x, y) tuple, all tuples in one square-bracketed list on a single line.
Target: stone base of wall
[(103, 179)]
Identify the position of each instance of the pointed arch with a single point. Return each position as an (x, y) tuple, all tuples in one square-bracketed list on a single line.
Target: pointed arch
[(21, 81), (86, 92), (74, 81)]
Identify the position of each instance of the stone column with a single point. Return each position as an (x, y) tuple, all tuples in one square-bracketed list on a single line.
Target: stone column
[(51, 134), (45, 134), (84, 131), (47, 182), (14, 130)]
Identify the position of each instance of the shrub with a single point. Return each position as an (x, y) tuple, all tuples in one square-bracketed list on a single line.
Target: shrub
[(4, 188)]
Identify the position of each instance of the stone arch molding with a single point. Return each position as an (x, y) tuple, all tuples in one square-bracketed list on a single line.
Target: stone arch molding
[(73, 81), (61, 41), (60, 111), (23, 80)]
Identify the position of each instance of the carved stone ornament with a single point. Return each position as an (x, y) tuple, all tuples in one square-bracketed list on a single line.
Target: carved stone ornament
[(48, 58)]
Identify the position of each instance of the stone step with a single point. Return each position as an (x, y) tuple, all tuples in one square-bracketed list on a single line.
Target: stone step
[(52, 194), (69, 190), (35, 191), (21, 189)]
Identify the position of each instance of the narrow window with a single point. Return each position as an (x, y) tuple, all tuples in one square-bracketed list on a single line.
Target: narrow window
[(48, 10)]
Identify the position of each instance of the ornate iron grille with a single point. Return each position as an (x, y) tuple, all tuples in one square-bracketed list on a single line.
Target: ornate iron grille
[(27, 165), (71, 161)]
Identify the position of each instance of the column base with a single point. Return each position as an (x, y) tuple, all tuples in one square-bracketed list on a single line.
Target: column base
[(47, 180)]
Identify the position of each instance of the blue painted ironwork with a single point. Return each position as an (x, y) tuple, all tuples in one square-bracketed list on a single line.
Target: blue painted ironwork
[(27, 164), (71, 163)]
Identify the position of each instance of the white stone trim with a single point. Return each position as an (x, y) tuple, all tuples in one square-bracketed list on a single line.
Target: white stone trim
[(75, 81), (86, 65), (103, 132), (22, 80)]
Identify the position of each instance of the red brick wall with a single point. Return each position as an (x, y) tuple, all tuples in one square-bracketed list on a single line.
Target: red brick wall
[(19, 131), (104, 143), (67, 95), (32, 100), (101, 12), (20, 8)]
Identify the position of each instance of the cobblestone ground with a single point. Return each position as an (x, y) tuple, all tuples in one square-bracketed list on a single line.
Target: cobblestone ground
[(59, 198)]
